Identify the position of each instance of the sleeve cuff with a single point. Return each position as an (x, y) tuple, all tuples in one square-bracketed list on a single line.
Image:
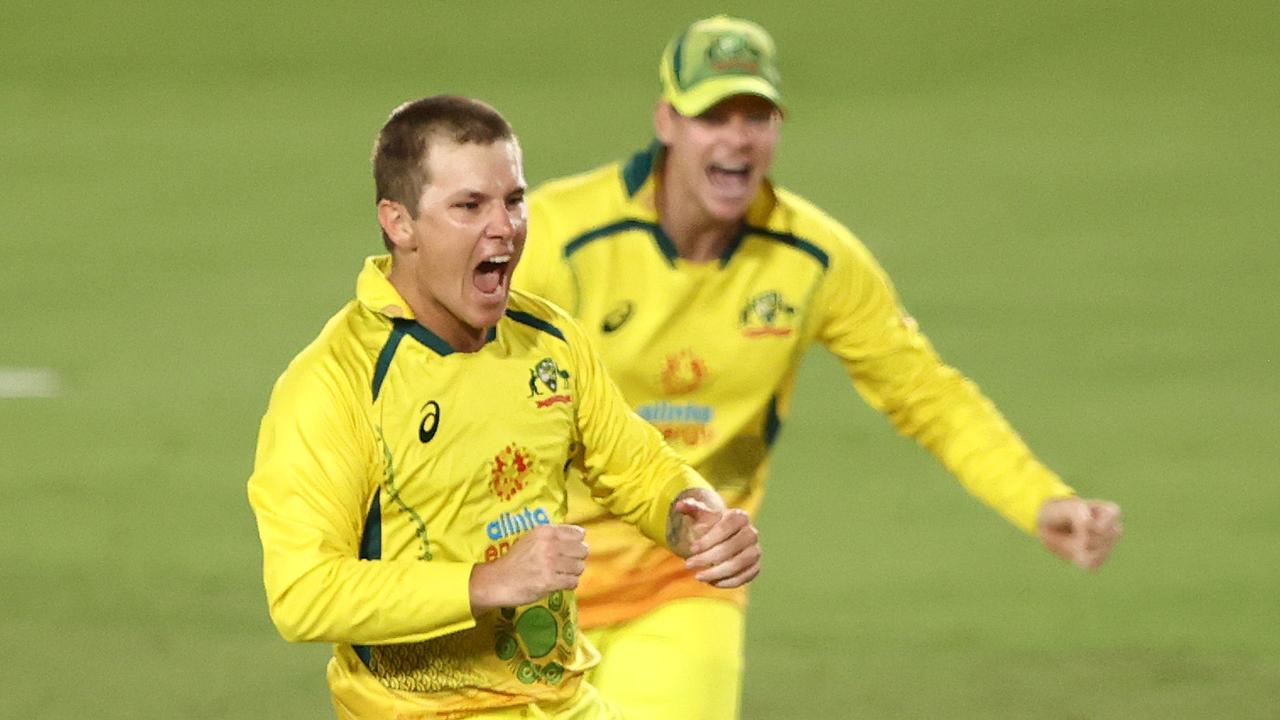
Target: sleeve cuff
[(656, 525), (1028, 520)]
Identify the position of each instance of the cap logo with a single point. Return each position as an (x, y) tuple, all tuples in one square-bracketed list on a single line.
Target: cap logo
[(731, 53)]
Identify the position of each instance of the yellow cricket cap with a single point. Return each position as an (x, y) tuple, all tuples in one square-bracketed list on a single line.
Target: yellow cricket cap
[(716, 58)]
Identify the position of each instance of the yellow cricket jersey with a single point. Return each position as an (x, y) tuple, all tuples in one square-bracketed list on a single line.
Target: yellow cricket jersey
[(388, 465), (708, 354)]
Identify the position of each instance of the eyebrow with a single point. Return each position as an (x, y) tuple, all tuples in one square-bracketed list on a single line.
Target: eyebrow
[(470, 193)]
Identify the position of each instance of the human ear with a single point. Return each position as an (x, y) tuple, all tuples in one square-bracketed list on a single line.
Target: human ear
[(662, 125), (396, 223)]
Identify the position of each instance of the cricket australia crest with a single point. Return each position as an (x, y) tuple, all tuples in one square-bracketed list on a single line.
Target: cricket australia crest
[(547, 376), (766, 314)]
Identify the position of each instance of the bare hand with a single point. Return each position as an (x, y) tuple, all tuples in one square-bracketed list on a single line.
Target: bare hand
[(724, 546), (1083, 532), (546, 559)]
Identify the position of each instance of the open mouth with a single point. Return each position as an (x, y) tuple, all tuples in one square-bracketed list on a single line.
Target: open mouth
[(492, 274), (729, 178)]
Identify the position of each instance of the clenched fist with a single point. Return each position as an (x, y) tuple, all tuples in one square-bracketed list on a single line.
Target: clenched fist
[(1083, 532), (547, 559)]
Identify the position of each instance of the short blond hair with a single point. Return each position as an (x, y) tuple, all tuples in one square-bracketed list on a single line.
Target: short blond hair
[(401, 150)]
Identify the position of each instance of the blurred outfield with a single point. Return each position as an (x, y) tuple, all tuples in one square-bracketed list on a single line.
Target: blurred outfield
[(1078, 201)]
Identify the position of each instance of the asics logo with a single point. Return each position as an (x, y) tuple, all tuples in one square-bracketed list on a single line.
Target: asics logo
[(430, 422), (617, 317)]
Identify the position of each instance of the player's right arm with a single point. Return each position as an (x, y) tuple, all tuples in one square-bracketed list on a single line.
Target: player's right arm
[(315, 474), (896, 369)]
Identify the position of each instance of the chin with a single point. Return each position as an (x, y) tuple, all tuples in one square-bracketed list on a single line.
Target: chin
[(728, 212), (488, 312)]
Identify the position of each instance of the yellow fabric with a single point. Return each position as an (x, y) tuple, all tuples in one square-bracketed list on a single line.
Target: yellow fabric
[(709, 352), (585, 704), (680, 660), (388, 465)]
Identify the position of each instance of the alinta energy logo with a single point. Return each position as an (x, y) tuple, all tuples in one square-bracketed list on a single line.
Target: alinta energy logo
[(687, 424), (766, 314), (508, 469), (682, 372), (505, 529), (548, 376)]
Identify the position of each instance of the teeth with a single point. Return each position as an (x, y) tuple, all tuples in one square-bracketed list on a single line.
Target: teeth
[(499, 259), (726, 168)]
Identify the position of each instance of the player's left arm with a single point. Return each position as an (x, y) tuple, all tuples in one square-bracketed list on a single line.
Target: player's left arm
[(633, 473)]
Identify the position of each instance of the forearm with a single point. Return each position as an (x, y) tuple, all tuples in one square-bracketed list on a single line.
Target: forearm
[(969, 436), (629, 469), (950, 417), (897, 371), (649, 506), (643, 490), (367, 602)]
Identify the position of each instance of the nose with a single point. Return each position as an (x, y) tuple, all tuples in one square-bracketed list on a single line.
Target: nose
[(739, 131), (501, 223)]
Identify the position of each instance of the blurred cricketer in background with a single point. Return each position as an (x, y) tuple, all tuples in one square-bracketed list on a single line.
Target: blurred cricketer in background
[(704, 284), (409, 483)]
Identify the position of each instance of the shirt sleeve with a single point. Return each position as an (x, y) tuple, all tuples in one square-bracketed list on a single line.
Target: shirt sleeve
[(629, 469), (543, 270), (316, 475), (897, 371)]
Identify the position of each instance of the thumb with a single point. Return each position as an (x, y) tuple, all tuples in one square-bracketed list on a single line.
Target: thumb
[(1067, 517), (697, 511), (1074, 524), (1080, 517)]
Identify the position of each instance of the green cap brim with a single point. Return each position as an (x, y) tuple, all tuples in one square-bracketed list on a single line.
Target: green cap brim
[(701, 97)]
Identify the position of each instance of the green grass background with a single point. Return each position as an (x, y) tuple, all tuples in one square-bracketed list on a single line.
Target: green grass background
[(1078, 200)]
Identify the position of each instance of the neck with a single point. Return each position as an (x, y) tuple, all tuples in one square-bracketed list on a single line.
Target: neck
[(431, 315), (697, 238)]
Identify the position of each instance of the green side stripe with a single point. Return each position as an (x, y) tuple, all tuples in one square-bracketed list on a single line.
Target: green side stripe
[(370, 549), (371, 538), (393, 493), (772, 423)]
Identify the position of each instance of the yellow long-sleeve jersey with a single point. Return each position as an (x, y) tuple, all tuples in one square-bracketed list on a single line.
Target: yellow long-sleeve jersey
[(388, 465), (708, 354)]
